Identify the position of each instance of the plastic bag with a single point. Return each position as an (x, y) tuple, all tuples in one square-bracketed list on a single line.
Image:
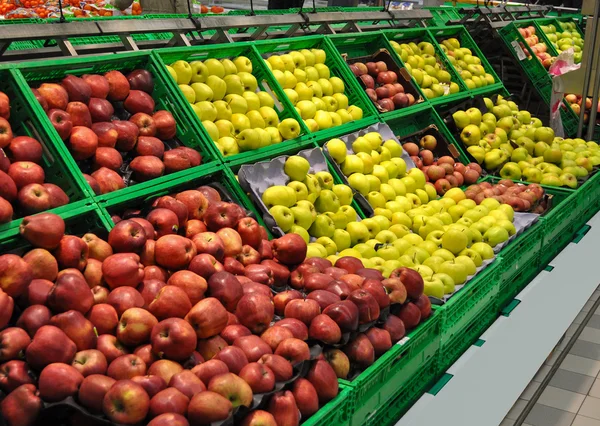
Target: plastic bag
[(564, 63)]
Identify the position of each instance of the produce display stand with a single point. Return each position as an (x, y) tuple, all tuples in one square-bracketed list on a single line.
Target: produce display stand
[(383, 392)]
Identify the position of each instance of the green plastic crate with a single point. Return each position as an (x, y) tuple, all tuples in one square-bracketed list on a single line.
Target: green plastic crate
[(114, 203), (335, 412), (388, 414), (560, 225), (460, 32), (442, 15), (469, 332), (367, 44), (266, 82), (395, 370), (522, 52), (467, 304), (80, 219), (421, 34), (26, 120), (188, 131), (588, 194), (356, 96)]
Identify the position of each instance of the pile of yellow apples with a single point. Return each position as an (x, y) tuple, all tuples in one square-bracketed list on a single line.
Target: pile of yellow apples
[(445, 239), (317, 95), (467, 64), (426, 69), (516, 145), (226, 98)]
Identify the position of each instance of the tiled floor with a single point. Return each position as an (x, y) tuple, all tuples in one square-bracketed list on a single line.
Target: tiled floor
[(572, 397)]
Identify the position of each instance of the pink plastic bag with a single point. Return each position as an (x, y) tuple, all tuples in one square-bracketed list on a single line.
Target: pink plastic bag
[(563, 64)]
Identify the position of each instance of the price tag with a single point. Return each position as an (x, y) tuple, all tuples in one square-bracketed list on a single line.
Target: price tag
[(403, 341), (519, 50)]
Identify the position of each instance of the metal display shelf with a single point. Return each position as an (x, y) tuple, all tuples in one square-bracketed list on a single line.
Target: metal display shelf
[(119, 35)]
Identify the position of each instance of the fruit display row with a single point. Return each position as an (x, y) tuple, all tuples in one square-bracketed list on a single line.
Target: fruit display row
[(173, 316), (440, 239), (512, 143), (576, 102), (467, 64)]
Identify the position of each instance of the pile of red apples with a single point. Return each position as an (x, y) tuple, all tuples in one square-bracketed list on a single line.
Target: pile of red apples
[(22, 177), (521, 197), (382, 85), (538, 48), (189, 316), (84, 111), (444, 172)]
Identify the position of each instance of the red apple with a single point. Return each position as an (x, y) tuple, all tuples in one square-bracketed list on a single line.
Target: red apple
[(173, 338), (209, 369), (92, 391), (232, 387), (58, 381), (255, 311), (284, 409), (126, 402), (297, 327), (90, 361), (126, 366), (207, 317), (135, 326), (208, 407)]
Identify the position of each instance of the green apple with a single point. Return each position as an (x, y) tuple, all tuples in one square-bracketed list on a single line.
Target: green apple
[(225, 128), (433, 287), (398, 186), (323, 119), (275, 135), (279, 195), (315, 250), (444, 254), (296, 167), (188, 93), (366, 251), (327, 202), (468, 262), (337, 150), (313, 186), (447, 280), (248, 140), (374, 182), (283, 216), (252, 101), (223, 110), (323, 226), (495, 235), (256, 120), (456, 270), (356, 112), (359, 182), (329, 245), (508, 225), (218, 86), (352, 164), (376, 199), (401, 245), (325, 179), (183, 71), (434, 262), (372, 226), (269, 115), (228, 146), (350, 213), (243, 64), (454, 240), (388, 252), (300, 189), (289, 128), (211, 129), (295, 229), (387, 191), (344, 194), (358, 231), (342, 239), (265, 99), (417, 254)]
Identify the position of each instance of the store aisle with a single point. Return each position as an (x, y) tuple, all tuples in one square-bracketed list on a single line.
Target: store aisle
[(572, 395)]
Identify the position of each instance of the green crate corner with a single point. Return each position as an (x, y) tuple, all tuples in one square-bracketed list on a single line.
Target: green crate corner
[(335, 63), (395, 369), (460, 32), (265, 80), (423, 34), (441, 15), (80, 219), (114, 203), (188, 132), (59, 167), (366, 44)]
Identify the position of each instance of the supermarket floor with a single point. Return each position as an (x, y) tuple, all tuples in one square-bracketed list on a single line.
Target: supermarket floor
[(566, 394)]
